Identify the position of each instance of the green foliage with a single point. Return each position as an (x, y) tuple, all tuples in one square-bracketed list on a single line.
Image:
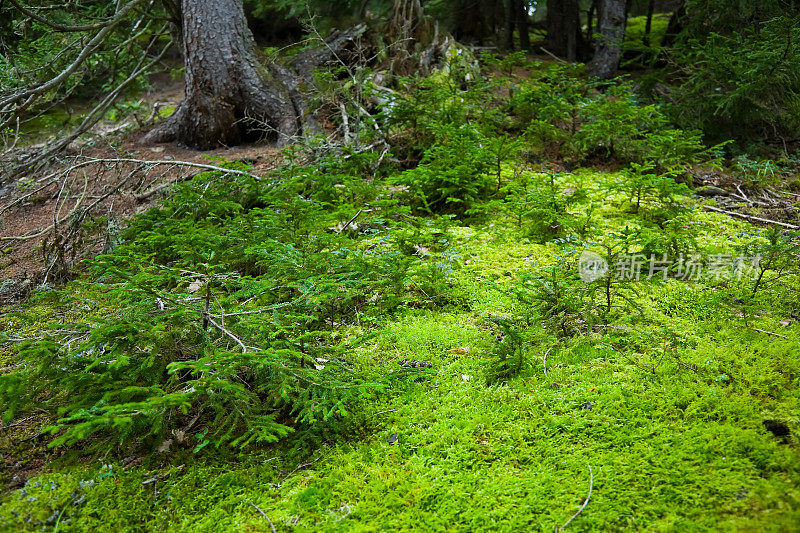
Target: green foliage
[(541, 209), (642, 184), (509, 357), (561, 110), (756, 174), (426, 110), (223, 308), (737, 71), (776, 252), (39, 53), (453, 174), (278, 309)]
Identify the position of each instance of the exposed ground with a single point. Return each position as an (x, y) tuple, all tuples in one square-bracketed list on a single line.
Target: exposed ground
[(120, 195)]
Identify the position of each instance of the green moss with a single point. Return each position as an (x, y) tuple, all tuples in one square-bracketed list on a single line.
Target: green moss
[(635, 29), (666, 400)]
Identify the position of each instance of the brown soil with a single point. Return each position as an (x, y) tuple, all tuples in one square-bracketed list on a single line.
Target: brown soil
[(23, 260)]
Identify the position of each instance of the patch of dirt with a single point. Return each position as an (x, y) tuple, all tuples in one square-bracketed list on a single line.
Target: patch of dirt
[(23, 452), (38, 207)]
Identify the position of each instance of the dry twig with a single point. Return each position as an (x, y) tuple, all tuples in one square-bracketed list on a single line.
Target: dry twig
[(585, 502), (771, 334), (262, 513), (544, 360), (750, 217)]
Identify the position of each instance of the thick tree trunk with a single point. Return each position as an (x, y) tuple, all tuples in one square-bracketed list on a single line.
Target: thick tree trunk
[(608, 45), (563, 28), (228, 94)]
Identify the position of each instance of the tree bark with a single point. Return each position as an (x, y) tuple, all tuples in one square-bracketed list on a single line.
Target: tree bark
[(608, 45), (522, 24), (675, 26), (509, 23), (590, 20), (563, 28), (229, 95), (648, 27)]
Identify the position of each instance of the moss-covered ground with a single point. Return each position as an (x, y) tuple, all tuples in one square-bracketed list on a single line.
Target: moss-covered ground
[(664, 411)]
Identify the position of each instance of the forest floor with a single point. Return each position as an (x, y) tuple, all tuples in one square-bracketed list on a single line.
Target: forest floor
[(683, 414), (28, 215)]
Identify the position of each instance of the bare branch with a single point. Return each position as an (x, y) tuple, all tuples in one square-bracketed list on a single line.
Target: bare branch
[(29, 94), (585, 502), (750, 217), (56, 26)]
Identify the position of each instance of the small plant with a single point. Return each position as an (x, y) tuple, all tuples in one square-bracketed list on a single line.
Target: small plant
[(539, 207), (509, 357), (778, 251), (642, 184), (623, 265), (755, 173), (453, 175)]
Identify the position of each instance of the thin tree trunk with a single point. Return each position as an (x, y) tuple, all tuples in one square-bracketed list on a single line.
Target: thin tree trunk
[(563, 28), (508, 28), (651, 5), (675, 26), (608, 45), (522, 24)]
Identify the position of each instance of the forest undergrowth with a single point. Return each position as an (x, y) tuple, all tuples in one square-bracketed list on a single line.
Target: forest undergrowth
[(401, 333)]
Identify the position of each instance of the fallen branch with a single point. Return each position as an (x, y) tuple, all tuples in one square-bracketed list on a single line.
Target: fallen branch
[(551, 54), (173, 162), (544, 360), (770, 333), (750, 217), (262, 513), (585, 502), (158, 188), (350, 221)]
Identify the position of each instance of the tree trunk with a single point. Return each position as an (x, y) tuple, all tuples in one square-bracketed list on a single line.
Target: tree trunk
[(229, 96), (563, 28), (648, 27), (608, 45), (522, 24), (508, 30), (675, 26), (590, 20)]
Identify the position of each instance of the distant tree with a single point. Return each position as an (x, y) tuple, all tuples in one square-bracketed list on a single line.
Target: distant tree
[(516, 17), (563, 28), (608, 43)]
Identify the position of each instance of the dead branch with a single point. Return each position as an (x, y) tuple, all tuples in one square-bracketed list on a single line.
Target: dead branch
[(262, 513), (750, 217), (771, 334), (585, 502), (28, 96), (350, 221), (226, 332), (99, 110), (544, 360), (56, 26)]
